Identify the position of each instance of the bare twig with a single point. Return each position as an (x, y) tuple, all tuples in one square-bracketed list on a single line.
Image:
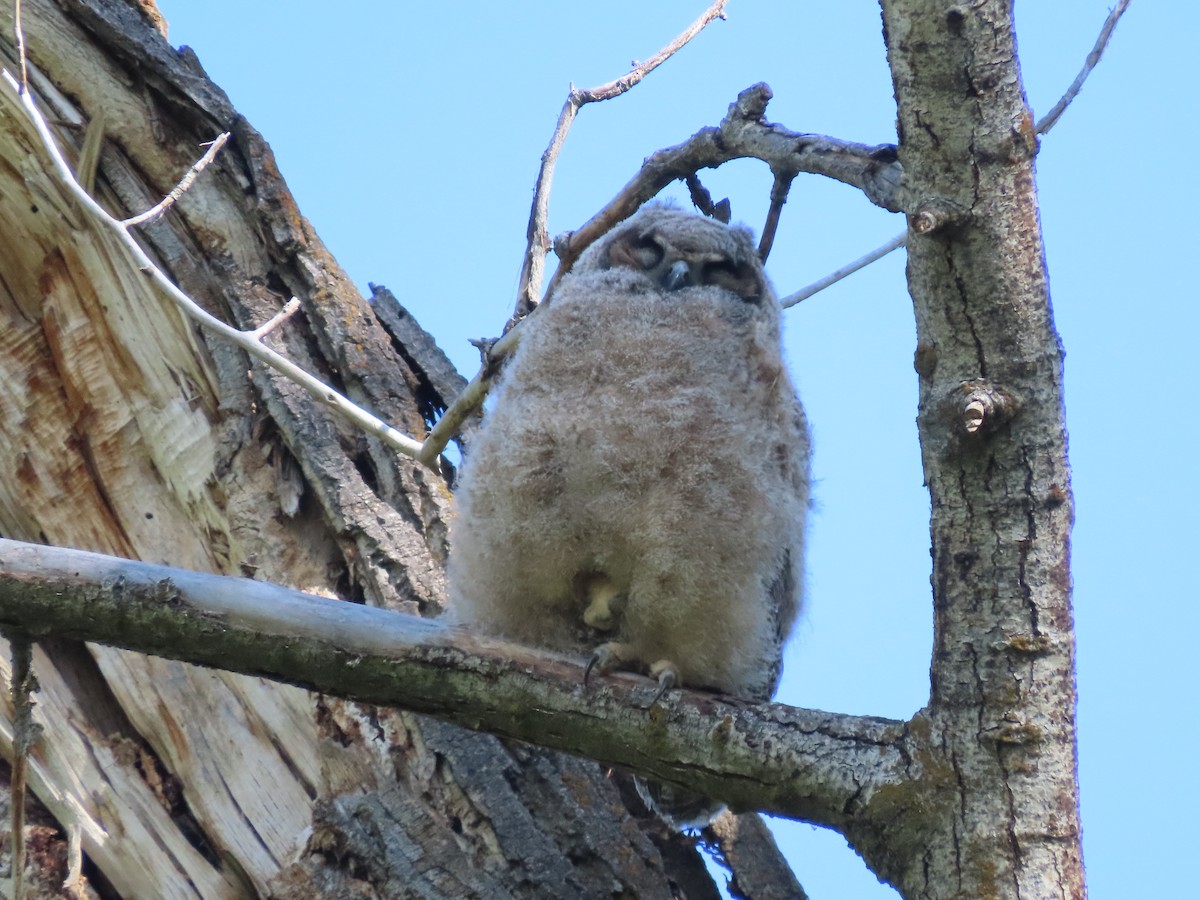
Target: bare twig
[(779, 193), (537, 235), (1049, 120), (743, 133), (73, 884), (471, 398), (289, 310), (1043, 126), (184, 183), (878, 253)]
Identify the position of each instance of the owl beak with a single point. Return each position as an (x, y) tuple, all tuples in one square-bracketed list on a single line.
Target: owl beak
[(677, 275)]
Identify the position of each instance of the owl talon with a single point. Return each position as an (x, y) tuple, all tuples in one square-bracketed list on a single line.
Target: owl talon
[(666, 673), (604, 659)]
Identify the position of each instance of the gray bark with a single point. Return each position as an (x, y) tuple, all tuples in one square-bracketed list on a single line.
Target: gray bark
[(1001, 717)]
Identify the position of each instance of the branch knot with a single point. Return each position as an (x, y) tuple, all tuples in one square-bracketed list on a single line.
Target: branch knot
[(980, 407), (751, 104)]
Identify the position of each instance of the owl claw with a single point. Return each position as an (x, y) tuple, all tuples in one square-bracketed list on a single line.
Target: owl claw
[(666, 673), (604, 659), (612, 655)]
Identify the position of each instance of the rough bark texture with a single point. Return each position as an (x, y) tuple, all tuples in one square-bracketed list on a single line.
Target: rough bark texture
[(1002, 709), (124, 430)]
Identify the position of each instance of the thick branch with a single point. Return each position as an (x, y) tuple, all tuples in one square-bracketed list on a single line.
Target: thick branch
[(817, 766)]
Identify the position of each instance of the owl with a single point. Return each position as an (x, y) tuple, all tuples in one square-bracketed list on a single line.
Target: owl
[(637, 493)]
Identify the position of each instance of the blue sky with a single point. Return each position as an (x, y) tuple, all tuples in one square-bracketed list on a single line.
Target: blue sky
[(411, 137)]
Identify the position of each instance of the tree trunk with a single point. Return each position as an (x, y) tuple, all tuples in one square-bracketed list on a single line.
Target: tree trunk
[(128, 431), (994, 445)]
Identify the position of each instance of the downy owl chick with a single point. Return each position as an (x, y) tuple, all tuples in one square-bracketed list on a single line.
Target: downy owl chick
[(637, 494)]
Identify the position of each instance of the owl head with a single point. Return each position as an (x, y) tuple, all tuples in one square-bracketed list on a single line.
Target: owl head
[(675, 250)]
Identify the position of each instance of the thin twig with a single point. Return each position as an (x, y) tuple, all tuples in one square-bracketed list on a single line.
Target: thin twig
[(1049, 120), (1044, 125), (73, 884), (289, 310), (804, 293), (742, 134), (537, 234), (471, 398), (184, 183)]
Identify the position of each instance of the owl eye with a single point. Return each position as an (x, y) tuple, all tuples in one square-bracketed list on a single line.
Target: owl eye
[(736, 278), (636, 251)]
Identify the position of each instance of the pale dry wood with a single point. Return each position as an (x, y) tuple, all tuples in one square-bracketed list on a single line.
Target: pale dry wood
[(25, 734), (97, 363), (87, 779), (248, 340)]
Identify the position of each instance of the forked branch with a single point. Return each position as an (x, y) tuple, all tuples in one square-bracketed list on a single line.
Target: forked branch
[(537, 234), (1043, 126)]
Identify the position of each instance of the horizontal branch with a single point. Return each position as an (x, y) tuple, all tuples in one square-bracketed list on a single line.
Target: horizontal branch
[(821, 767)]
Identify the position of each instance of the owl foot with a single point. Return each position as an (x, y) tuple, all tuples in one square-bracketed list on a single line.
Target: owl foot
[(606, 658), (611, 656), (605, 604), (664, 670)]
